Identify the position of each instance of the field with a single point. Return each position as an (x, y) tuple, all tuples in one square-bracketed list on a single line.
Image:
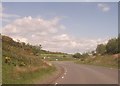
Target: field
[(57, 57)]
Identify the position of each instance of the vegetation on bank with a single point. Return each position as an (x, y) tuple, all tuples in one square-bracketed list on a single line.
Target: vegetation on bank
[(25, 75), (105, 60), (104, 55), (21, 62)]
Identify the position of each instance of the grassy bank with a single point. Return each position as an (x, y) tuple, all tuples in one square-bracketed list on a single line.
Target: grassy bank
[(21, 64), (106, 61), (16, 76)]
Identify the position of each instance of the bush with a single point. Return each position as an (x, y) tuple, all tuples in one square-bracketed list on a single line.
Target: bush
[(77, 55)]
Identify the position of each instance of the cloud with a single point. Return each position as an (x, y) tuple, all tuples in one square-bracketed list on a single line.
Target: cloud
[(66, 43), (62, 37), (49, 33), (22, 39), (33, 27), (104, 7)]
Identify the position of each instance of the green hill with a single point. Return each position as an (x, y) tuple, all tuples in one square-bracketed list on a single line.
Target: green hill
[(21, 62)]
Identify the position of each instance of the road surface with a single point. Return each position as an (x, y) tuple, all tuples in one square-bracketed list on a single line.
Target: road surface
[(86, 74)]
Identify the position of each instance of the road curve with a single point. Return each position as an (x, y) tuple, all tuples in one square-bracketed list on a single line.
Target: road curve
[(86, 74)]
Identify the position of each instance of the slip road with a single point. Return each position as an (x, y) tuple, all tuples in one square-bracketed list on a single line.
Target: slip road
[(86, 74)]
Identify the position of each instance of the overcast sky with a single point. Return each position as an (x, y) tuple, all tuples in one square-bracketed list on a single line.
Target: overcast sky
[(66, 27)]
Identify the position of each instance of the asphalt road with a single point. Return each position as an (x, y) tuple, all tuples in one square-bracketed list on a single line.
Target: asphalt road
[(86, 74)]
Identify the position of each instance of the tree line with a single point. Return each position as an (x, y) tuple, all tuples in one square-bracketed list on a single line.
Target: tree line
[(112, 47)]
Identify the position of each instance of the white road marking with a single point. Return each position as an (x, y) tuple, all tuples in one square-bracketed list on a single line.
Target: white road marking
[(56, 83), (65, 72)]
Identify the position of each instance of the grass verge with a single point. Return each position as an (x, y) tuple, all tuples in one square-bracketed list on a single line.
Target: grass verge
[(11, 77), (105, 61)]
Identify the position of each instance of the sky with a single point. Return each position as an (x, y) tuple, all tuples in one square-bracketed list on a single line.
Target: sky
[(61, 26)]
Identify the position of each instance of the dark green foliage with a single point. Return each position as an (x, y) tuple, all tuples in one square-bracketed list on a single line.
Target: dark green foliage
[(93, 53), (85, 55), (101, 49), (112, 46), (81, 56), (77, 55)]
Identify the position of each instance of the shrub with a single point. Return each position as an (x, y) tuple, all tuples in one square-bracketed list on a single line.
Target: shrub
[(77, 55)]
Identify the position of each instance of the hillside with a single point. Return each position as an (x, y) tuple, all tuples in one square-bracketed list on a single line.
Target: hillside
[(22, 61)]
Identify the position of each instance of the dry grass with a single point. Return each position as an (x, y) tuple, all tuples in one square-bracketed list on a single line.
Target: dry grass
[(106, 60)]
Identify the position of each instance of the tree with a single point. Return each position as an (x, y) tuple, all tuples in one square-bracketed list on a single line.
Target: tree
[(112, 46), (85, 55), (101, 49), (93, 53), (36, 49), (77, 55)]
